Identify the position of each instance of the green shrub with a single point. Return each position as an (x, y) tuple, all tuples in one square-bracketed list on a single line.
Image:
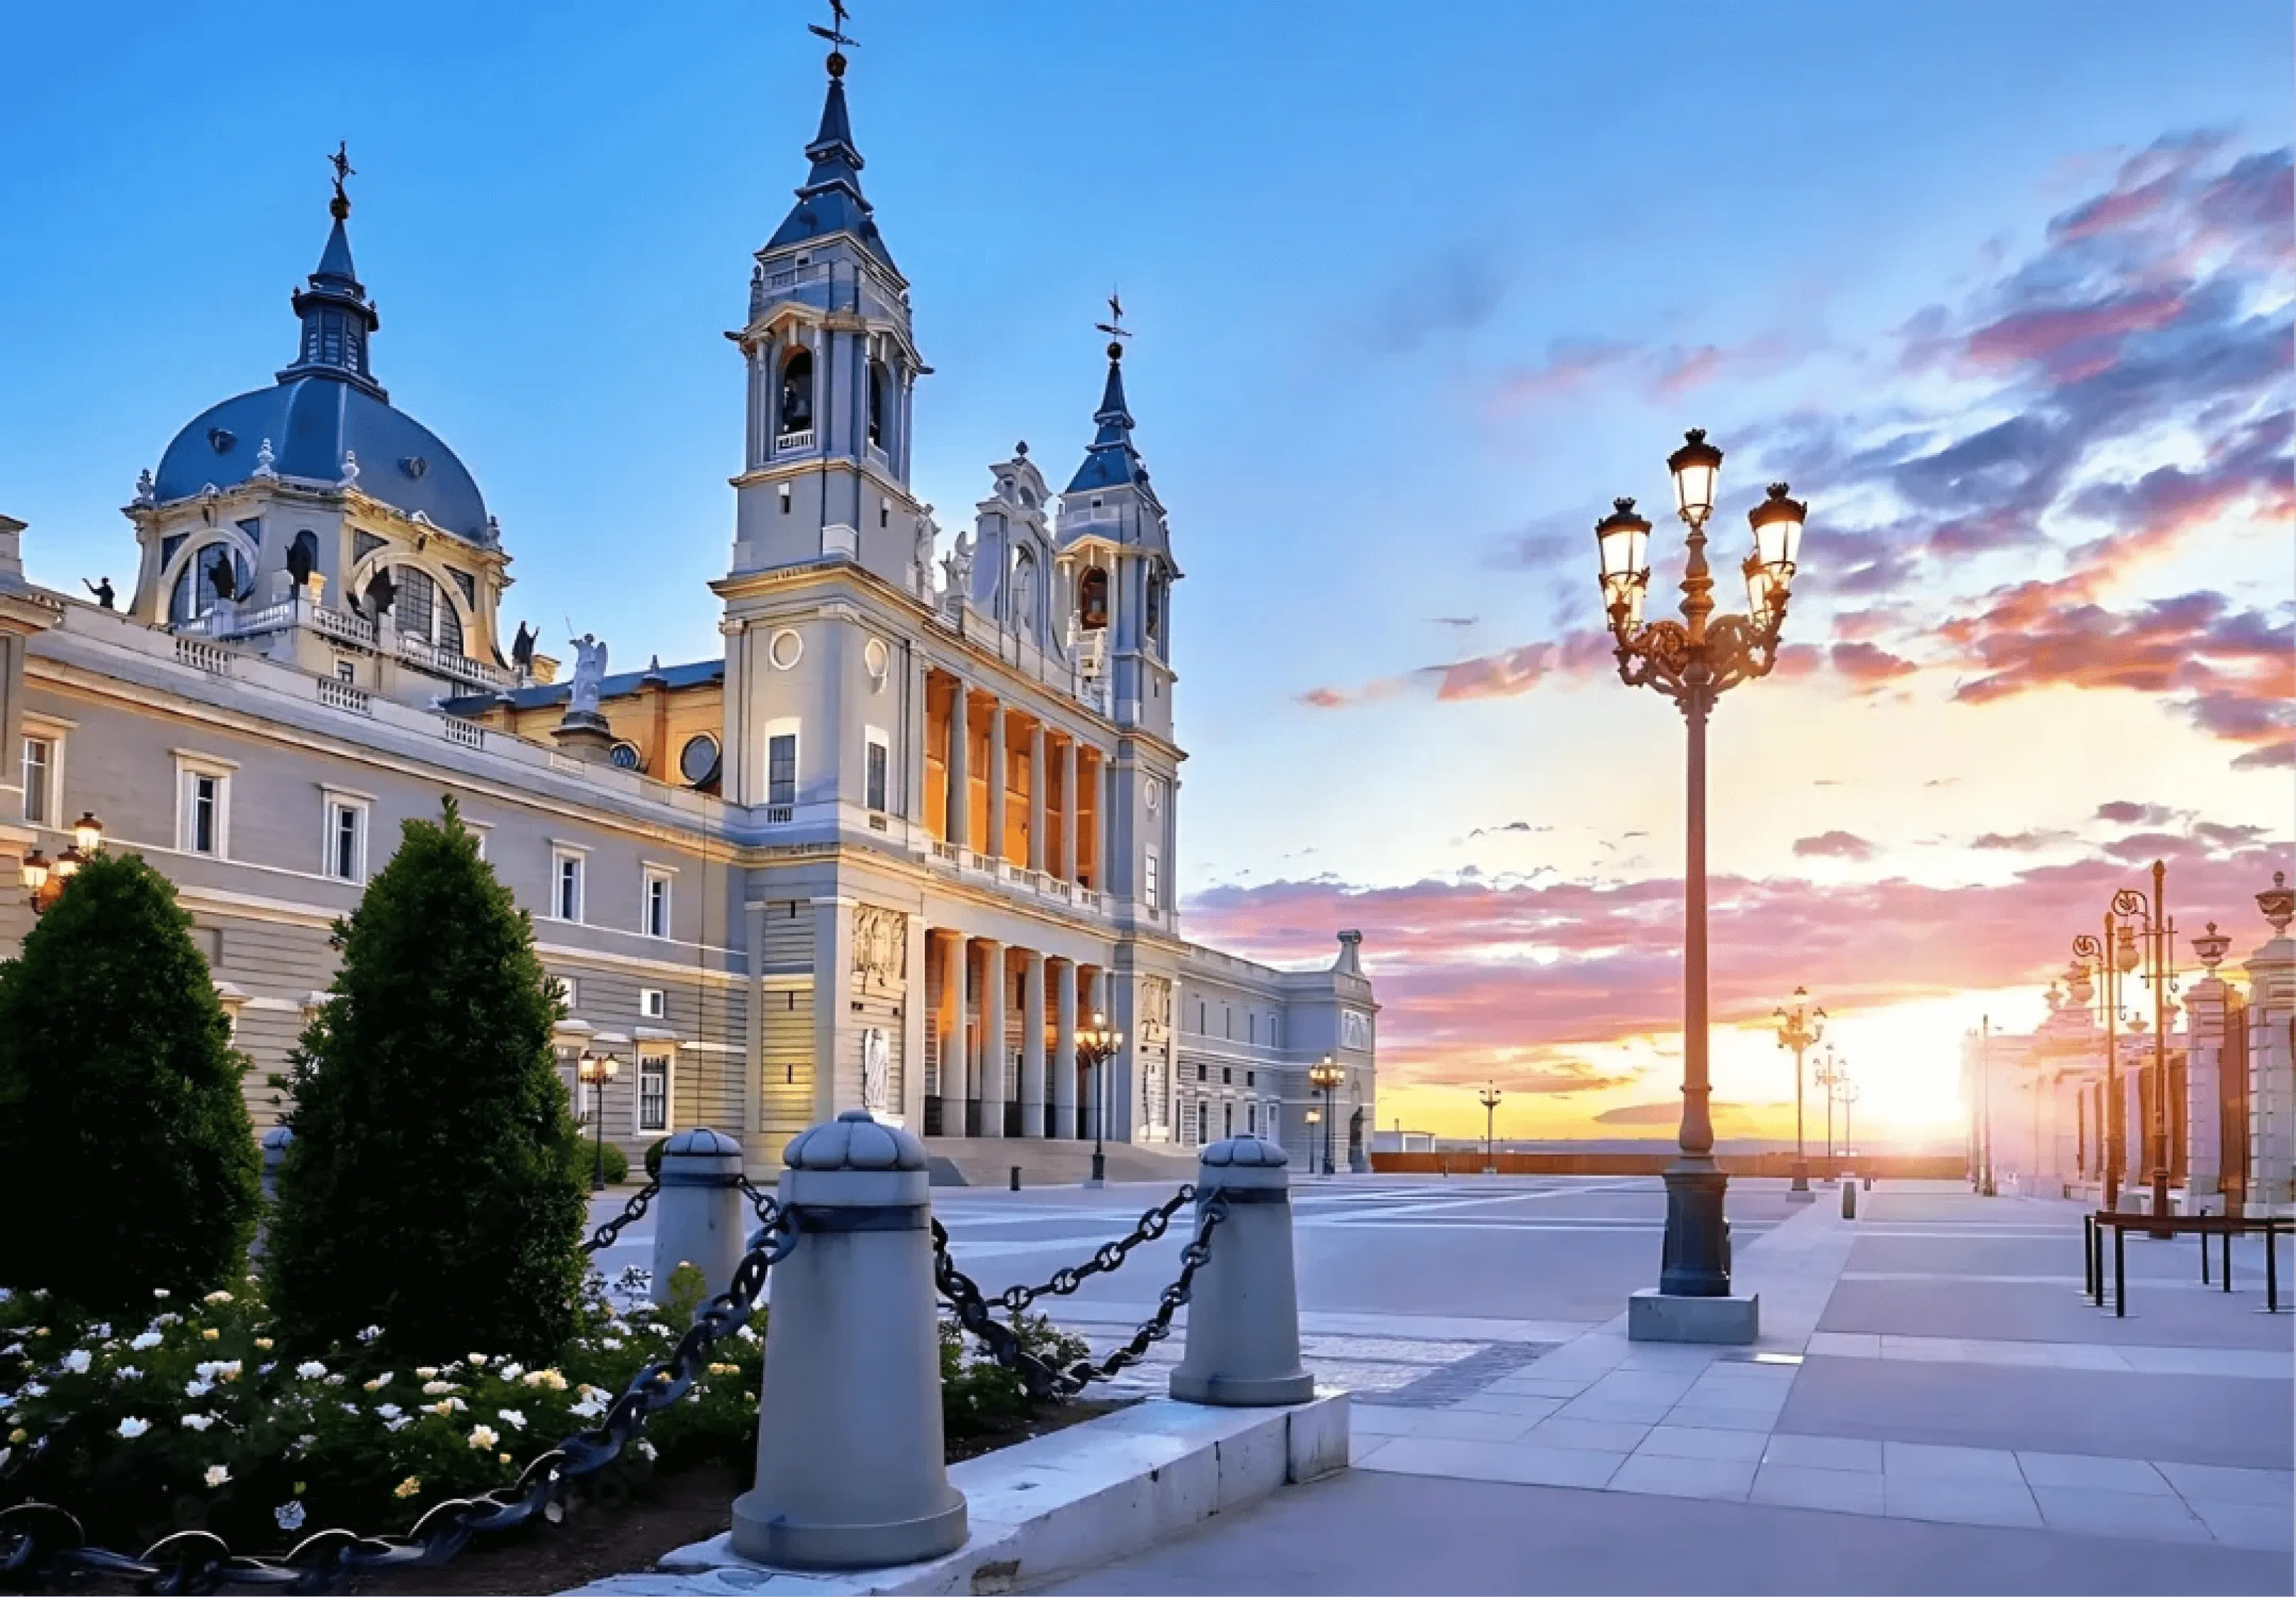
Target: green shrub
[(977, 1394), (653, 1158), (617, 1162), (122, 1129), (436, 1186)]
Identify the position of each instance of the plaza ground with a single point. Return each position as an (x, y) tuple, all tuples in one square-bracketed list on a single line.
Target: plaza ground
[(1933, 1406)]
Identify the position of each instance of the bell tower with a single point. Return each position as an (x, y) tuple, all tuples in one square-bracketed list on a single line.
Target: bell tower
[(831, 368)]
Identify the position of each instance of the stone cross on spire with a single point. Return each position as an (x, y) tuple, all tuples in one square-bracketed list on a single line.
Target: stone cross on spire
[(340, 206)]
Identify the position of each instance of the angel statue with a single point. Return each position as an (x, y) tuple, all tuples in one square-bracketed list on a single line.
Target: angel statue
[(589, 673), (926, 533), (959, 567)]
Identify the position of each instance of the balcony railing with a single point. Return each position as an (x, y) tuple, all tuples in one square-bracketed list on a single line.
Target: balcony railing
[(342, 695), (335, 624), (448, 663), (213, 659), (780, 814), (793, 442), (947, 853)]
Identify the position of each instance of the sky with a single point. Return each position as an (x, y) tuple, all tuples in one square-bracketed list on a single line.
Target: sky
[(2005, 292)]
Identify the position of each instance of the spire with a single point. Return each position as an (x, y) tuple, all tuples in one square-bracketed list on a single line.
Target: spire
[(832, 202), (337, 315), (1111, 462)]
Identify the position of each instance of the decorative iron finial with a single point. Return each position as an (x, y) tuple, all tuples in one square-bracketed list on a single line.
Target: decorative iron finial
[(2278, 905), (340, 206), (837, 36), (1114, 326)]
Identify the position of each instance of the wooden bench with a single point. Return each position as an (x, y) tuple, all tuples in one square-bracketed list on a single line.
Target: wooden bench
[(2121, 1222)]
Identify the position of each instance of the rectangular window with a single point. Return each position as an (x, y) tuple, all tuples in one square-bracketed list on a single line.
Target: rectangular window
[(1251, 1028), (1203, 1121), (656, 904), (653, 1092), (39, 777), (345, 671), (1227, 1119), (566, 886), (1270, 1133), (654, 1002), (1153, 883), (1251, 1119), (571, 989), (1275, 1031), (346, 841), (781, 768), (203, 808), (878, 759)]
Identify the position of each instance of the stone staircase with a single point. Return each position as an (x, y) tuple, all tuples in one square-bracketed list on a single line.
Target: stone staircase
[(989, 1161)]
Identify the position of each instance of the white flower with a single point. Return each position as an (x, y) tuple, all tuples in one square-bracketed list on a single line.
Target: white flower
[(131, 1427), (511, 1372), (511, 1418), (478, 1360), (217, 1297), (589, 1408), (379, 1382), (149, 1339), (168, 1320), (483, 1437), (646, 1449), (158, 1292), (76, 1361), (432, 1388), (33, 1388), (615, 1343), (126, 1372), (426, 1372), (289, 1515), (198, 1422), (370, 1333), (400, 1424), (388, 1411), (349, 1408), (335, 1379), (217, 1474), (104, 1331), (198, 1389), (310, 1369)]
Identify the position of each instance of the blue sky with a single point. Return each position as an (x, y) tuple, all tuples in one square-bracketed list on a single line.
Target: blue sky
[(1415, 294)]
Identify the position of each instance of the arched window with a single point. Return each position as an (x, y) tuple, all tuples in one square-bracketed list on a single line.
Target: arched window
[(303, 556), (797, 392), (422, 609), (880, 381), (1092, 598), (1156, 594), (210, 570)]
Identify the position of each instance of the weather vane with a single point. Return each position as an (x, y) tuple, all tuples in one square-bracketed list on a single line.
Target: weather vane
[(341, 162), (1114, 326), (835, 32)]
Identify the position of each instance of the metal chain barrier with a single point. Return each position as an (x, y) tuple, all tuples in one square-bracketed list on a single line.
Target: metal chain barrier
[(1045, 1381), (41, 1544), (606, 1235)]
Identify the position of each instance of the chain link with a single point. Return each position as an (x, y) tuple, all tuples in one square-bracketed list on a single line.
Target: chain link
[(40, 1542), (1046, 1381), (606, 1235)]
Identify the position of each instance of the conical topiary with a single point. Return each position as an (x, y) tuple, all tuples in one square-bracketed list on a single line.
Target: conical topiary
[(432, 1188), (122, 1129)]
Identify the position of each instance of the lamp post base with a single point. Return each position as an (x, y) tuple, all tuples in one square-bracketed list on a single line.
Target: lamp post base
[(1800, 1175), (1696, 1262), (1099, 1177), (2160, 1205)]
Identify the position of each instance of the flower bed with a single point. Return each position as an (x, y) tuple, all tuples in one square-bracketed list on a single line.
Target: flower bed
[(193, 1419)]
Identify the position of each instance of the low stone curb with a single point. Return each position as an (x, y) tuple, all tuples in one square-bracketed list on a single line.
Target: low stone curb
[(1061, 1502)]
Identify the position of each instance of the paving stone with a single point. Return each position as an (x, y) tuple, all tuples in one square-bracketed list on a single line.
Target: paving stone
[(1559, 1432), (1928, 1462), (2103, 1514), (1799, 1486), (1722, 1477), (2081, 1472), (1825, 1453), (2221, 1482), (1958, 1500), (2268, 1527)]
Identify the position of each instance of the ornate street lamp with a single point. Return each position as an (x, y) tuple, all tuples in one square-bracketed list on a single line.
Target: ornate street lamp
[(1799, 1028), (2110, 959), (1490, 1098), (597, 1069), (1325, 1078), (1846, 1090), (1095, 1045), (1693, 661), (1831, 1071), (45, 878), (2146, 923)]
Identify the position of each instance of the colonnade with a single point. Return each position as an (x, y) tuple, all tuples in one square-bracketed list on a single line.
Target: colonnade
[(1001, 1029), (1044, 812)]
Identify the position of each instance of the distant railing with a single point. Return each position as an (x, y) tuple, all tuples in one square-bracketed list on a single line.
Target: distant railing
[(342, 695), (351, 629), (446, 662), (469, 734), (793, 442), (780, 814), (213, 659), (947, 853)]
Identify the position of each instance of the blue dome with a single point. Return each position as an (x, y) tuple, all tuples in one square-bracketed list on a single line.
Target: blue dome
[(326, 406), (313, 420)]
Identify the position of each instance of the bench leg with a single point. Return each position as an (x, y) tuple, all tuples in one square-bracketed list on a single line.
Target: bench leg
[(2119, 1272), (2228, 1261), (2204, 1258), (2271, 1274)]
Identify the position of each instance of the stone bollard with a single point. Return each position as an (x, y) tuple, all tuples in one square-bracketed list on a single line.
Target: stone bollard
[(1016, 1178), (699, 1217), (1243, 1320), (850, 1471), (1849, 1196)]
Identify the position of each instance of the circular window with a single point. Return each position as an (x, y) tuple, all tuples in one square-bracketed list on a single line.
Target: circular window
[(697, 762), (875, 656), (1155, 795), (625, 756), (786, 650)]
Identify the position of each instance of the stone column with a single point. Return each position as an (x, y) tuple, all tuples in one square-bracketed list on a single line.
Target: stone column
[(913, 751), (959, 764), (2204, 1035), (913, 1022), (1037, 796), (995, 1086), (2271, 1066), (1063, 1070), (953, 1060), (1065, 868), (750, 1079), (1032, 1036), (1104, 780), (994, 845)]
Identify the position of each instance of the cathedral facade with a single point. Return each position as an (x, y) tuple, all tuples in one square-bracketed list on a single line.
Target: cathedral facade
[(905, 844)]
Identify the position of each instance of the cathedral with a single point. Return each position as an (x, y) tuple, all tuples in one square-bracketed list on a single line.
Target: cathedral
[(910, 844)]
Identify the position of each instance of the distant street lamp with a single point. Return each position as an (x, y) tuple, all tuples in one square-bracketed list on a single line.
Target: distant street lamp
[(1693, 662), (1095, 1045), (1325, 1078), (2110, 959), (597, 1069), (1826, 1075), (1799, 1028), (1846, 1090), (2147, 923), (1490, 1098), (46, 880)]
